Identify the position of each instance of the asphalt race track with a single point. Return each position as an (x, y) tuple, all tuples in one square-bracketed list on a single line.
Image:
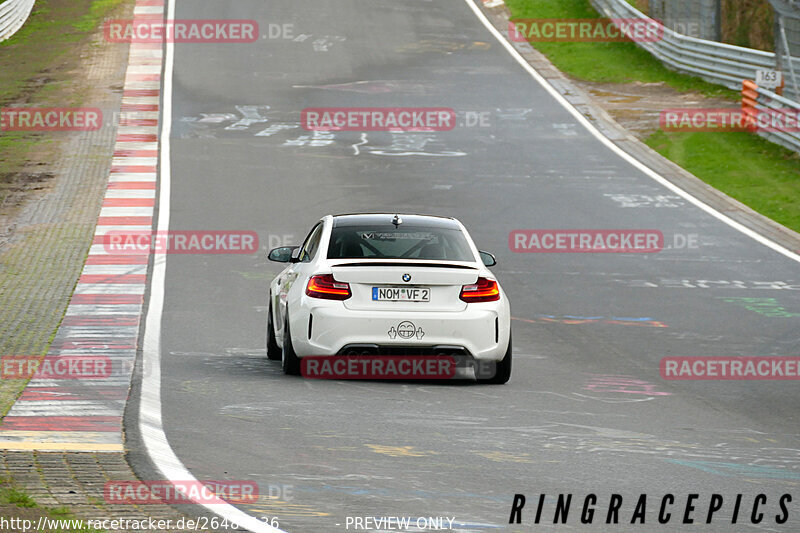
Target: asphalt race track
[(586, 410)]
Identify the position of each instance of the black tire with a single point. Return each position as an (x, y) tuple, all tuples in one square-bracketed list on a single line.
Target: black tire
[(502, 369), (273, 350), (289, 359)]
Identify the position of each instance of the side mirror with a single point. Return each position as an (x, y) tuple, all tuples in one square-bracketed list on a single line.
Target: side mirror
[(487, 258), (284, 254)]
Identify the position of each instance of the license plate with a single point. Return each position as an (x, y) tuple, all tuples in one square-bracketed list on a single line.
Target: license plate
[(401, 294)]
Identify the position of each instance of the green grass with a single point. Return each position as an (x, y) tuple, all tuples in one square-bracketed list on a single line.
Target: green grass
[(97, 11), (762, 175), (16, 497), (30, 58), (14, 502), (15, 147), (604, 62), (756, 172), (38, 67)]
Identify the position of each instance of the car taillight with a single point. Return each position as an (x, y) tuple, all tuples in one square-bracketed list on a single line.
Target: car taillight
[(325, 287), (486, 290)]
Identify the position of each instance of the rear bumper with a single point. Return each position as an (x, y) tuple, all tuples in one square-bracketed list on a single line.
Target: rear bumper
[(482, 330)]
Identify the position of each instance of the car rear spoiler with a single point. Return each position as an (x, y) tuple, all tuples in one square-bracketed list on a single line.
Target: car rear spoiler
[(402, 263)]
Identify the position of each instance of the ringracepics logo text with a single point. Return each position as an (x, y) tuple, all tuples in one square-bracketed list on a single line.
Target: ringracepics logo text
[(664, 509)]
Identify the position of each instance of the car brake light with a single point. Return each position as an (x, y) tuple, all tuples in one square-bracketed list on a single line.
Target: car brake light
[(325, 287), (486, 290)]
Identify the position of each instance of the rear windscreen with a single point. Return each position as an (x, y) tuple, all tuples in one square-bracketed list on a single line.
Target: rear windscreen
[(403, 242)]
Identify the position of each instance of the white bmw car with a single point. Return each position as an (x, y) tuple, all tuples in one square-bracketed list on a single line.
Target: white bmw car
[(389, 284)]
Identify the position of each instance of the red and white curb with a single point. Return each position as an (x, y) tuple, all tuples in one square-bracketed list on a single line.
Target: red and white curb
[(103, 317)]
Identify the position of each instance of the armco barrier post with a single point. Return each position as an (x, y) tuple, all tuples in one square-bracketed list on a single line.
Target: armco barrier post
[(749, 103)]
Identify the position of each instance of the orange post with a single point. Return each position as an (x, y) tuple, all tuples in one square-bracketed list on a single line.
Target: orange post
[(749, 102)]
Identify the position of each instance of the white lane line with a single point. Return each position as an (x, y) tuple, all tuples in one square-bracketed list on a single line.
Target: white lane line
[(150, 424), (619, 151)]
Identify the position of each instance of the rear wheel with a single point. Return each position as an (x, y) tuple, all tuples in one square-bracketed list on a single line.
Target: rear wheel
[(289, 359), (502, 369), (273, 350)]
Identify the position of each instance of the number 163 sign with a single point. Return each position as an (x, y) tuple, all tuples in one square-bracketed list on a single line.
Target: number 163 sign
[(769, 79)]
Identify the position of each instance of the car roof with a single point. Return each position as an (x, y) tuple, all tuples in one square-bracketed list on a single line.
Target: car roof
[(358, 219)]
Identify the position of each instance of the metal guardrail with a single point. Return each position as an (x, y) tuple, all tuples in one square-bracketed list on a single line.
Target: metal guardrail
[(756, 100), (698, 18), (723, 64), (13, 14), (715, 62)]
